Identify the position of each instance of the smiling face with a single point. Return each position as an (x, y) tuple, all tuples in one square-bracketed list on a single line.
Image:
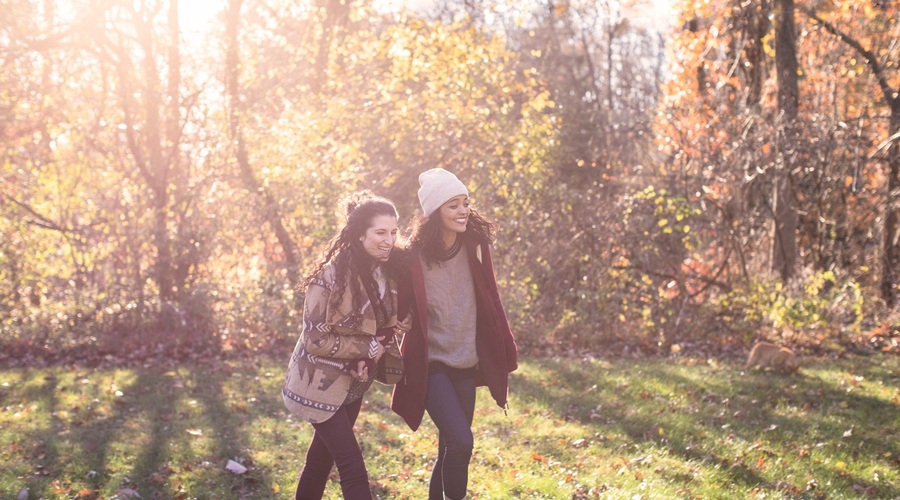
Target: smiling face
[(454, 215), (380, 237)]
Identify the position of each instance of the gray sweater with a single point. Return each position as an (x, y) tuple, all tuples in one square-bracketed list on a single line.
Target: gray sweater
[(451, 312)]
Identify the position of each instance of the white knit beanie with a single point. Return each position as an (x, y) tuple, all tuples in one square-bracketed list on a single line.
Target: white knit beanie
[(436, 186)]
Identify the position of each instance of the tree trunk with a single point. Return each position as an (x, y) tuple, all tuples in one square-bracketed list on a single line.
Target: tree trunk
[(891, 245), (336, 12), (271, 209), (693, 27), (757, 25), (157, 172), (784, 241)]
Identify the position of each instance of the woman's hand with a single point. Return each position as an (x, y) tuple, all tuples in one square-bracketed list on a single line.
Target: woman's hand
[(361, 372), (402, 327)]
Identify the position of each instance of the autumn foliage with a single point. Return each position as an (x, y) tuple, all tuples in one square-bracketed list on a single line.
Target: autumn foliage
[(166, 181)]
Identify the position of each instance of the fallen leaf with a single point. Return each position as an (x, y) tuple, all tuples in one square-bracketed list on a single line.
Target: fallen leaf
[(235, 467), (128, 492)]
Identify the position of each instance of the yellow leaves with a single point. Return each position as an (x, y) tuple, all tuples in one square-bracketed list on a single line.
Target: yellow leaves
[(767, 44)]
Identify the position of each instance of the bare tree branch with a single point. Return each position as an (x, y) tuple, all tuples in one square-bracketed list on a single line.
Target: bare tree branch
[(889, 94), (39, 220)]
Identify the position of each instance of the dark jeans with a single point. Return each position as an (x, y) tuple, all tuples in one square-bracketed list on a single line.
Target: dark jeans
[(450, 401), (333, 442)]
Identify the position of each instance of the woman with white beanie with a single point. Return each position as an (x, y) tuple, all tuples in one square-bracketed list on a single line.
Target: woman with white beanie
[(460, 336)]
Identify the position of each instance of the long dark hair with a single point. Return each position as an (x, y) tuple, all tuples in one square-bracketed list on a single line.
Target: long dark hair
[(427, 234), (352, 264)]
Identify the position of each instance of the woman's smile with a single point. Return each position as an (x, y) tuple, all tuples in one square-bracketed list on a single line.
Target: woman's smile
[(455, 214), (379, 239)]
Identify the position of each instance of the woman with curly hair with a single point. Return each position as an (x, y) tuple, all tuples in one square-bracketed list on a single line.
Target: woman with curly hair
[(460, 336), (347, 341)]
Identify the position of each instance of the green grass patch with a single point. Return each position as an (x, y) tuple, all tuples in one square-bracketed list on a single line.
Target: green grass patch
[(576, 428)]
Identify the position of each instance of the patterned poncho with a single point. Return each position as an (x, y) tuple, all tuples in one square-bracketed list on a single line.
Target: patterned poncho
[(334, 335)]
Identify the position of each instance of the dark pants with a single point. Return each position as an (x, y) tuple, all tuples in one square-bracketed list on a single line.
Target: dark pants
[(333, 442), (450, 401)]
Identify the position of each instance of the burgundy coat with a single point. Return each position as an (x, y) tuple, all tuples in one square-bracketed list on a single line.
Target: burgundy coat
[(495, 344)]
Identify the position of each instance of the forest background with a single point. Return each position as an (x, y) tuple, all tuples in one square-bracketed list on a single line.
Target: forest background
[(170, 170)]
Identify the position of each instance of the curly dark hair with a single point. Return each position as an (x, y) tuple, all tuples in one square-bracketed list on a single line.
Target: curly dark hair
[(352, 264), (427, 234)]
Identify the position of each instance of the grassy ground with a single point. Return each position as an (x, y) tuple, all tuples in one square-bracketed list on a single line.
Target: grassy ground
[(577, 428)]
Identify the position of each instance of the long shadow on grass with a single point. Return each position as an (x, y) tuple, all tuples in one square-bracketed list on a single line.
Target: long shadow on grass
[(144, 421), (655, 403), (231, 440), (84, 432), (584, 393), (815, 408), (145, 408), (158, 401), (45, 454)]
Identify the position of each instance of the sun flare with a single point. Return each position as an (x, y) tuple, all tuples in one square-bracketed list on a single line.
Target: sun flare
[(196, 16)]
